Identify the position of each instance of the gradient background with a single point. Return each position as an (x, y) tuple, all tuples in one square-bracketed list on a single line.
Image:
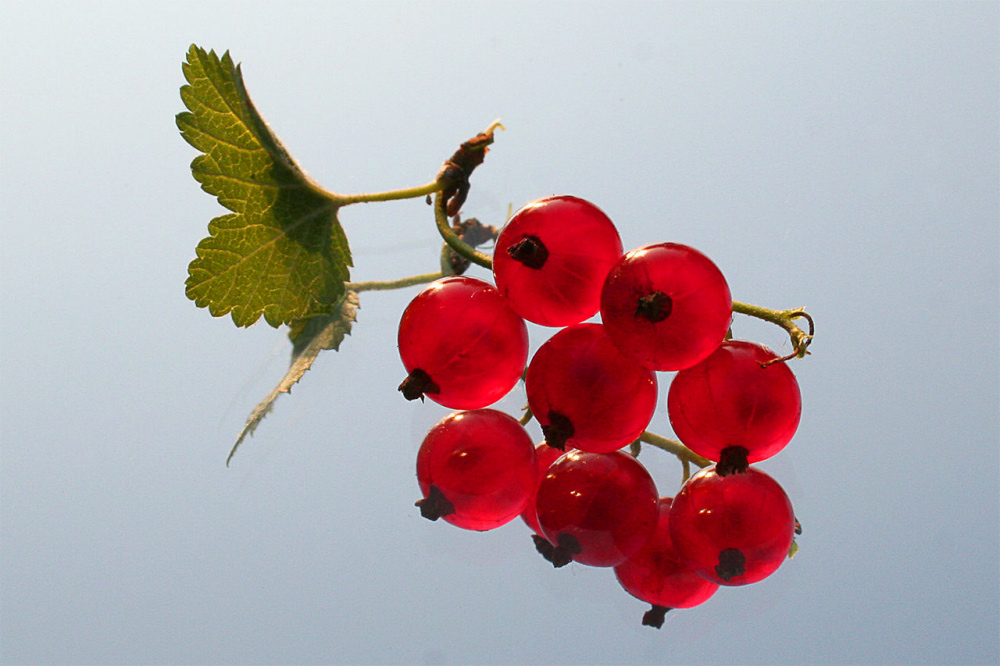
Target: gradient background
[(841, 156)]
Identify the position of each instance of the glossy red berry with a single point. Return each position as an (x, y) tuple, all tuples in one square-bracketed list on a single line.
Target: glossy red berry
[(545, 455), (667, 305), (476, 469), (657, 575), (586, 394), (595, 508), (730, 400), (551, 259), (732, 530), (462, 344)]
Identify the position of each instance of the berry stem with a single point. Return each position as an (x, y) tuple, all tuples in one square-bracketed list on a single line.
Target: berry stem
[(454, 240), (526, 419), (786, 320), (674, 447), (386, 285)]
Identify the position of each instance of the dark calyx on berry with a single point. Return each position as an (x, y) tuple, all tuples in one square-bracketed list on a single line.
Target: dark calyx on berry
[(732, 563), (655, 307), (530, 251), (732, 460), (560, 555), (435, 505), (416, 384), (558, 432), (655, 616)]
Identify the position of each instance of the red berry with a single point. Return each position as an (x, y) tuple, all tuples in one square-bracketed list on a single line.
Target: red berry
[(657, 575), (462, 344), (732, 530), (729, 400), (476, 469), (545, 455), (596, 508), (586, 394), (552, 257), (667, 305)]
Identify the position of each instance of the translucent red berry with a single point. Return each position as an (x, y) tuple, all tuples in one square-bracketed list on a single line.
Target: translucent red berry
[(731, 400), (657, 575), (476, 469), (732, 530), (595, 508), (667, 305), (545, 455), (586, 394), (552, 257), (462, 344)]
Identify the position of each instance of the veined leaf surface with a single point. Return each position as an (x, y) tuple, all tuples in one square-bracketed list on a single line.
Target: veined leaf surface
[(281, 253)]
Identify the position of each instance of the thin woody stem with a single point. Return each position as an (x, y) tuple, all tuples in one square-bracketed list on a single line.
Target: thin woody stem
[(786, 320)]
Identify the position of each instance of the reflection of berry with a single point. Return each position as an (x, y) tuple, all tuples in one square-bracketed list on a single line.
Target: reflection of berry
[(729, 400), (732, 530), (586, 394), (545, 455), (462, 344), (667, 305), (476, 469), (657, 575), (552, 257), (597, 508)]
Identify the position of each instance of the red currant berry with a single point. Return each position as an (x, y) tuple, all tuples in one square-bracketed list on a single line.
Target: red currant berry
[(657, 575), (667, 305), (545, 455), (552, 257), (462, 344), (586, 394), (730, 400), (732, 530), (476, 469), (595, 508)]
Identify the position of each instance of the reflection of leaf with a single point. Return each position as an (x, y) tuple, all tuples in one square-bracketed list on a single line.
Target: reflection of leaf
[(281, 253), (309, 338)]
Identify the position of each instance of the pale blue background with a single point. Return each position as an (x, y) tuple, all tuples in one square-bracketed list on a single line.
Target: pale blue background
[(842, 156)]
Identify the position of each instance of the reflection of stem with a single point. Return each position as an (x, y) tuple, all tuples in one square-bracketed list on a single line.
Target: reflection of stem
[(392, 195), (786, 320), (453, 239), (674, 447), (385, 285)]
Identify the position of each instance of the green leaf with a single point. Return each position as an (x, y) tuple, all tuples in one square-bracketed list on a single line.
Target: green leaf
[(309, 338), (281, 253)]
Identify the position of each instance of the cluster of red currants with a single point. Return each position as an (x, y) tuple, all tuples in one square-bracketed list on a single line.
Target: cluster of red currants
[(593, 389)]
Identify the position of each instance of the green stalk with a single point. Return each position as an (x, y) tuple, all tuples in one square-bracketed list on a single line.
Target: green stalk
[(386, 285), (453, 239)]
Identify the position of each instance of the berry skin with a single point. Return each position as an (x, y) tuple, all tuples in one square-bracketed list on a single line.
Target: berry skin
[(545, 455), (586, 394), (595, 508), (732, 530), (666, 305), (551, 259), (476, 469), (462, 344), (657, 575), (729, 400)]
